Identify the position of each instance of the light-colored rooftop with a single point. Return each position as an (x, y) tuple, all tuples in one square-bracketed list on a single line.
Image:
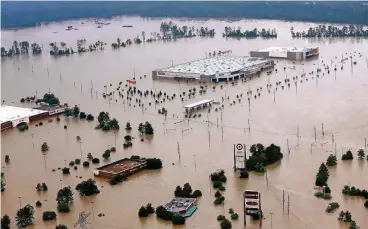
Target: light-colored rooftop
[(199, 103), (179, 204), (285, 49), (217, 64), (10, 113)]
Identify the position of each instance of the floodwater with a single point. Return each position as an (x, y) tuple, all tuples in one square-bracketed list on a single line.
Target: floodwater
[(338, 100)]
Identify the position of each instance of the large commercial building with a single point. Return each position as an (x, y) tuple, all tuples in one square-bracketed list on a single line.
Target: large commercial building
[(11, 116), (290, 53), (215, 69)]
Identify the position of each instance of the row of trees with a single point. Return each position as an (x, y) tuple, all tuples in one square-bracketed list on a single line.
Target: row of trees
[(20, 48), (332, 31), (261, 157), (105, 123), (170, 30), (233, 32), (186, 192)]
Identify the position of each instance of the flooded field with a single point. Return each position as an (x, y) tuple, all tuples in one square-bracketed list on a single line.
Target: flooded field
[(337, 100)]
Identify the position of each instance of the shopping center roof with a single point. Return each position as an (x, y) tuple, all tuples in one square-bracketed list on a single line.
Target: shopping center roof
[(217, 64), (11, 113)]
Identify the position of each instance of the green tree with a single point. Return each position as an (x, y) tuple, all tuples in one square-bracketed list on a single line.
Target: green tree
[(63, 207), (5, 222), (61, 226), (25, 216), (141, 128), (87, 188), (128, 127), (89, 156), (7, 159), (331, 160), (48, 215), (178, 219), (153, 163), (82, 115), (106, 155), (148, 129), (142, 212), (361, 154), (226, 224), (2, 184), (197, 193), (353, 225), (38, 203), (150, 209), (90, 117), (322, 175), (127, 138), (44, 147), (75, 111), (162, 213), (234, 216), (65, 195)]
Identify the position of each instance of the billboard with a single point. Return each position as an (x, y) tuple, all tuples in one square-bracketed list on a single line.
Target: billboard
[(239, 156), (252, 202)]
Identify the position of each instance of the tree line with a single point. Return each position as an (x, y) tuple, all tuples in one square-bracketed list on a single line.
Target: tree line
[(237, 32), (331, 31), (21, 48)]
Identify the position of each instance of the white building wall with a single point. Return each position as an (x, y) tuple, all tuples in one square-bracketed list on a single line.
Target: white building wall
[(173, 74), (20, 120)]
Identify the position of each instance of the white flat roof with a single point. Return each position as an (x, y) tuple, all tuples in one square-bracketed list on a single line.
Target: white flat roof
[(10, 113), (285, 49), (217, 64), (199, 103)]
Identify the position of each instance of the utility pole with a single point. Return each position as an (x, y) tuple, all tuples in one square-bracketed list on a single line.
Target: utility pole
[(274, 96), (179, 150), (287, 143), (209, 133), (222, 127), (323, 132), (271, 213), (195, 163), (288, 204), (335, 150), (248, 126), (267, 177), (315, 134), (365, 143), (283, 200)]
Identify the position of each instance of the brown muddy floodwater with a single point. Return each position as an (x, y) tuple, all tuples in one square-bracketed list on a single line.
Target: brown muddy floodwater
[(338, 100)]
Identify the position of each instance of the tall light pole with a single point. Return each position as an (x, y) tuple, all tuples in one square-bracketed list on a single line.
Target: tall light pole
[(93, 214), (61, 183), (20, 201), (271, 213)]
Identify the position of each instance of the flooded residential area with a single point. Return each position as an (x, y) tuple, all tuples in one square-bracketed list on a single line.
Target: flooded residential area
[(309, 107)]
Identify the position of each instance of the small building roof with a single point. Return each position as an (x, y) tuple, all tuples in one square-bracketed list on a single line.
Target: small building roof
[(214, 65), (11, 113), (285, 49), (199, 103)]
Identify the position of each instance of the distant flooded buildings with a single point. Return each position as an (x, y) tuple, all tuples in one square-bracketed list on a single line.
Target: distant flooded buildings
[(289, 53), (215, 69)]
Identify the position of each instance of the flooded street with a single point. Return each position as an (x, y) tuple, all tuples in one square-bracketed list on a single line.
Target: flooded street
[(337, 100)]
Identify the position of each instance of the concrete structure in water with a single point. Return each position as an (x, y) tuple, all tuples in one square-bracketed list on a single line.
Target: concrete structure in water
[(125, 167), (182, 206), (215, 69), (13, 116), (289, 53)]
